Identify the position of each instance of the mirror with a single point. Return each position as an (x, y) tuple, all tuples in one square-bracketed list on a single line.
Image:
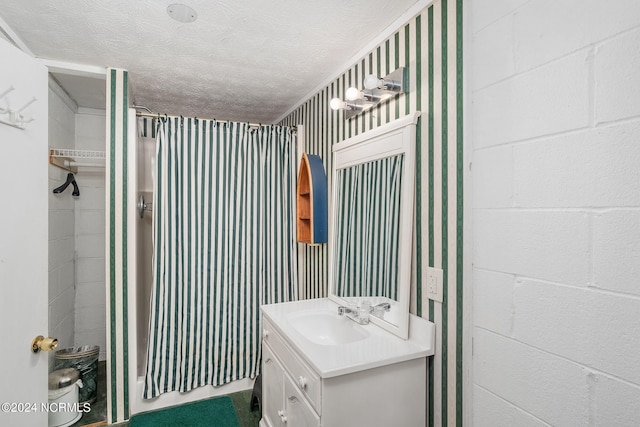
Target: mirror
[(371, 222)]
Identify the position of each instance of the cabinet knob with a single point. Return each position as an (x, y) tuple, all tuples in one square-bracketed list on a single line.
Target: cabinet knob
[(283, 417), (302, 382), (265, 333)]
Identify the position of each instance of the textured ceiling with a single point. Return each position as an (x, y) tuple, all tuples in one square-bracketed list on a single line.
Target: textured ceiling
[(248, 60)]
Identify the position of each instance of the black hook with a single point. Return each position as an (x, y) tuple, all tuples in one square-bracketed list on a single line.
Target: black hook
[(70, 180)]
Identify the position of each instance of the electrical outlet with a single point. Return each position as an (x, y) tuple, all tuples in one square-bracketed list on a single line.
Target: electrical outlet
[(434, 284)]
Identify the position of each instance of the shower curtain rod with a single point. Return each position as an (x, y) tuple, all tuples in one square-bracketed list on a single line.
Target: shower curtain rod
[(157, 116)]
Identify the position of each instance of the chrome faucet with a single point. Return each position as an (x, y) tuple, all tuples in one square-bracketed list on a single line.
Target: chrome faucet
[(378, 310), (355, 313), (342, 310), (382, 306), (352, 313)]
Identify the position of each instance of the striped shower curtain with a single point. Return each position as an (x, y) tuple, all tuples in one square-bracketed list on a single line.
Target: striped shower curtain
[(224, 243), (367, 217)]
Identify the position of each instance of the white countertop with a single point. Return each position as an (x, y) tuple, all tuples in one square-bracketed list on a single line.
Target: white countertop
[(379, 348)]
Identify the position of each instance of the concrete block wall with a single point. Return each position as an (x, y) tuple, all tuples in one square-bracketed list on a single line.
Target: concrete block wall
[(90, 303), (61, 225), (554, 88)]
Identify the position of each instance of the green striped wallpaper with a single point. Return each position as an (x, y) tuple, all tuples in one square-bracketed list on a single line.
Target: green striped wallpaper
[(430, 44), (117, 93)]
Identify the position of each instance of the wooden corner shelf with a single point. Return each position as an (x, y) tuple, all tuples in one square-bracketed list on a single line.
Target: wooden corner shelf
[(311, 201)]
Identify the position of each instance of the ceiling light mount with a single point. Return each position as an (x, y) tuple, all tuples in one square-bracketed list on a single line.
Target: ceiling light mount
[(182, 13), (376, 90)]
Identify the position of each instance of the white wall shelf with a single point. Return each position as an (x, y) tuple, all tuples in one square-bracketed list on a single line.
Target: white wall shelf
[(67, 159)]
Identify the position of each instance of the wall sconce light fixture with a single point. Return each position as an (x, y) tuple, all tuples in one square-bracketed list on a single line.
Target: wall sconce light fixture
[(355, 104), (376, 90), (339, 104), (393, 82), (362, 96)]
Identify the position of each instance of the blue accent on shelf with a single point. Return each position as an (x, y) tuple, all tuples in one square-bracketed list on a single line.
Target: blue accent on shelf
[(319, 201)]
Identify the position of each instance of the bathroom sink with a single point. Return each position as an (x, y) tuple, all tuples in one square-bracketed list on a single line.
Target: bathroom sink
[(334, 345), (326, 328)]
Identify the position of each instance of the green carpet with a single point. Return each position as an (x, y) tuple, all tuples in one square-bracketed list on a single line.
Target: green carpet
[(217, 412)]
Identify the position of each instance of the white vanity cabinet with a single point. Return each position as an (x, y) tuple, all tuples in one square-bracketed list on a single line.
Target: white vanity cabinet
[(295, 395), (282, 403)]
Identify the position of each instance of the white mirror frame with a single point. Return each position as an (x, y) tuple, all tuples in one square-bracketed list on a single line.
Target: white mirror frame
[(397, 137)]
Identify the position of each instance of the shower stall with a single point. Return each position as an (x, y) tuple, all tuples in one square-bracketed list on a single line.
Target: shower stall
[(141, 166)]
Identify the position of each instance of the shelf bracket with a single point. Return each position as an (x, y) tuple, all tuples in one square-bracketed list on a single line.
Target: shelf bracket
[(62, 162)]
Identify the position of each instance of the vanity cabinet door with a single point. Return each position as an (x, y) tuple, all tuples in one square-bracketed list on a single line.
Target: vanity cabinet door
[(298, 411), (272, 390)]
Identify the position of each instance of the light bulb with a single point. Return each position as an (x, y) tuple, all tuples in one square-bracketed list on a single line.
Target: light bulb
[(371, 82), (352, 94), (337, 104)]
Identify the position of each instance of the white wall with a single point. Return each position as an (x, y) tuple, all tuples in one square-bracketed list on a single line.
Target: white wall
[(90, 304), (61, 225), (555, 128)]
